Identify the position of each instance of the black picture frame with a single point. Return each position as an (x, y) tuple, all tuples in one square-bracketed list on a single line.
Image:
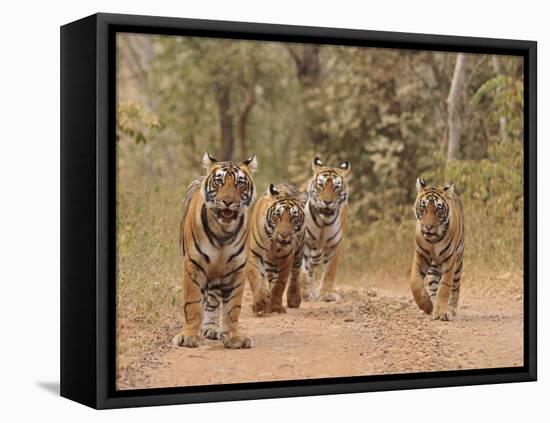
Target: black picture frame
[(88, 210)]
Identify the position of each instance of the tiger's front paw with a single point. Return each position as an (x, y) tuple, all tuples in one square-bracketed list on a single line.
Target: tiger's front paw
[(309, 295), (262, 305), (443, 313), (191, 341), (293, 298), (211, 331), (330, 296), (236, 342), (452, 310), (277, 308)]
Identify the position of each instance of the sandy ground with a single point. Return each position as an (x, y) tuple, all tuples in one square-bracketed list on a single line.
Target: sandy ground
[(373, 330)]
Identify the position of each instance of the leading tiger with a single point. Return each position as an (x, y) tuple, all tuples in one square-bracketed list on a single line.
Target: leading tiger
[(326, 220), (213, 235), (439, 250)]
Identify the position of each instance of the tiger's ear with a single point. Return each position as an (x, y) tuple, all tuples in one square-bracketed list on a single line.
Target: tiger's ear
[(345, 167), (272, 190), (420, 184), (449, 188), (316, 163), (208, 160), (251, 163)]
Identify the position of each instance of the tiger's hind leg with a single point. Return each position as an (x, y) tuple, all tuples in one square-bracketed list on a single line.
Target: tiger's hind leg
[(212, 307), (455, 290)]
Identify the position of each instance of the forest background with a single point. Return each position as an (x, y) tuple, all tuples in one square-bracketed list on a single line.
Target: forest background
[(394, 114)]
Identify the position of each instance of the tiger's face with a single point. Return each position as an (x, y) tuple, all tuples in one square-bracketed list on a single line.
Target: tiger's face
[(431, 209), (328, 189), (228, 188), (284, 218)]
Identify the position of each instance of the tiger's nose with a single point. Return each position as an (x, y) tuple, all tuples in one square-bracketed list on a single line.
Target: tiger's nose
[(227, 203), (327, 202), (284, 239)]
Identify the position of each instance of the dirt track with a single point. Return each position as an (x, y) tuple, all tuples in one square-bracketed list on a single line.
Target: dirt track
[(370, 331)]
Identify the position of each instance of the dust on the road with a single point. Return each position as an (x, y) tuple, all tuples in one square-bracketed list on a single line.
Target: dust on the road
[(370, 331)]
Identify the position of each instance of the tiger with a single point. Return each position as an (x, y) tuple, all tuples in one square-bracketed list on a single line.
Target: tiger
[(275, 247), (439, 237), (213, 235), (326, 220)]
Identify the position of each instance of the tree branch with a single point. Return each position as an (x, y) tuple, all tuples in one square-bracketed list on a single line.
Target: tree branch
[(294, 53)]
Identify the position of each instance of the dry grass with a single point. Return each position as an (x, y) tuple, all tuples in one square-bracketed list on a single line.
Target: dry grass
[(385, 249), (148, 266)]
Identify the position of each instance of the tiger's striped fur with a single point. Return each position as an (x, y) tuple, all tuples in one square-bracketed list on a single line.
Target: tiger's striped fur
[(439, 250), (213, 234), (326, 219), (275, 248)]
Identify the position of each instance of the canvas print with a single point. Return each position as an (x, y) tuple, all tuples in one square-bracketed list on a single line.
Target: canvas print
[(290, 211)]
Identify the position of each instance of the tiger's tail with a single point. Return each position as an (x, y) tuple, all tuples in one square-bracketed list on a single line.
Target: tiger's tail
[(191, 189)]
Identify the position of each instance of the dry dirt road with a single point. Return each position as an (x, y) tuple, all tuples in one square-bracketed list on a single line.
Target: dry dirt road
[(374, 329)]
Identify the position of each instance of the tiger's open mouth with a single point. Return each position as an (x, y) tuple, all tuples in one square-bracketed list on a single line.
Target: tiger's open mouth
[(327, 211), (432, 235), (284, 241), (227, 214)]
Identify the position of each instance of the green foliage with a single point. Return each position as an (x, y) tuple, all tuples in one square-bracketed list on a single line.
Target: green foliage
[(190, 74), (384, 110), (491, 191), (136, 123), (493, 185), (502, 95)]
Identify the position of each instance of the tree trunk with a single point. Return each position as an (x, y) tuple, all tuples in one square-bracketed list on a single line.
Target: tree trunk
[(308, 70), (243, 116), (308, 65), (405, 172), (453, 107), (248, 103), (226, 123), (503, 125)]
